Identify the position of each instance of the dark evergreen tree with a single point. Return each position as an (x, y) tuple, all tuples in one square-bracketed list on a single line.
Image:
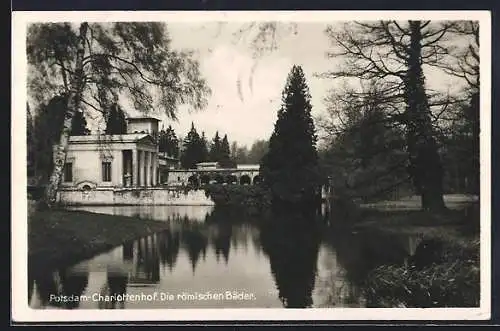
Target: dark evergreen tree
[(168, 142), (47, 130), (215, 148), (79, 125), (290, 167), (116, 122), (162, 141), (225, 157), (203, 148), (191, 149)]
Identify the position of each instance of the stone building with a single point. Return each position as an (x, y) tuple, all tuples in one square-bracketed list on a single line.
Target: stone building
[(126, 160)]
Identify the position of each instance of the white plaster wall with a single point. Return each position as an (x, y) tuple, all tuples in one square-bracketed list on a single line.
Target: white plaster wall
[(86, 167), (92, 197), (152, 196)]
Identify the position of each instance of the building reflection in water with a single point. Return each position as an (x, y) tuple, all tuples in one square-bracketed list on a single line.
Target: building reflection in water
[(114, 289), (46, 286), (145, 262)]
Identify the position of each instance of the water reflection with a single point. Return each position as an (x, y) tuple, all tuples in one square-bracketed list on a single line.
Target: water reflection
[(48, 289), (292, 246), (114, 290), (284, 259)]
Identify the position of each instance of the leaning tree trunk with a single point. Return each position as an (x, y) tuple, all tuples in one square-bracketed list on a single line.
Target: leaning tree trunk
[(73, 105), (425, 166)]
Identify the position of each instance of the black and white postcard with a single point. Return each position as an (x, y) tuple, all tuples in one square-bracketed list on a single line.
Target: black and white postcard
[(244, 165)]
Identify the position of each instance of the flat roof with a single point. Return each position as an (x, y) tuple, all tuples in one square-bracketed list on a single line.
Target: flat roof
[(96, 138), (140, 119), (162, 157), (214, 170), (207, 163)]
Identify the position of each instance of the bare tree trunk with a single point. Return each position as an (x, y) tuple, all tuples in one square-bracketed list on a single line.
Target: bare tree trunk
[(425, 164), (75, 92)]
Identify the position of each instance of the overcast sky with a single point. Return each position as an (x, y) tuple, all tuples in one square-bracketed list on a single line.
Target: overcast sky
[(242, 104), (246, 91)]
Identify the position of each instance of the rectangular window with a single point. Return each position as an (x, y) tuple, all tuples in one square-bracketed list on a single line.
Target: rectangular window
[(68, 172), (106, 171)]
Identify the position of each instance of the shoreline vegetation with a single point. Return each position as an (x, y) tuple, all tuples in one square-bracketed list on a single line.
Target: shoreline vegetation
[(444, 271)]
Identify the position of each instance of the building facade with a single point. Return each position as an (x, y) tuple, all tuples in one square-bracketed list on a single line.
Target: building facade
[(127, 160)]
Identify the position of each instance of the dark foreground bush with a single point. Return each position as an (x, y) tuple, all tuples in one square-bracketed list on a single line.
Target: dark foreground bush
[(454, 282), (253, 197)]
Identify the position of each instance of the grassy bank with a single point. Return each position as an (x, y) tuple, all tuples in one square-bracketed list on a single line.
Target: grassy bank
[(57, 238), (444, 270)]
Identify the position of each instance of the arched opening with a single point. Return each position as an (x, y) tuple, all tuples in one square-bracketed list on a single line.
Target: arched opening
[(232, 179), (245, 180), (219, 179), (257, 180), (205, 179), (193, 180)]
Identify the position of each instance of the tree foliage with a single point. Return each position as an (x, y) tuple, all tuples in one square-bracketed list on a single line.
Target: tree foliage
[(79, 127), (116, 121), (215, 148), (461, 149), (30, 141), (257, 151), (364, 153), (244, 155), (220, 151), (395, 53), (168, 142), (131, 59), (194, 149), (225, 160), (290, 167), (46, 131)]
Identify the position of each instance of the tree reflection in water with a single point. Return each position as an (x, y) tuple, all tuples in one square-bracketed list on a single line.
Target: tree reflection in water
[(31, 283), (359, 253), (168, 248), (195, 241), (73, 284), (222, 241), (46, 286), (291, 242)]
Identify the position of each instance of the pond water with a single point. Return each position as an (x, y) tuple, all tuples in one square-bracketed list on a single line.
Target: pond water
[(210, 258)]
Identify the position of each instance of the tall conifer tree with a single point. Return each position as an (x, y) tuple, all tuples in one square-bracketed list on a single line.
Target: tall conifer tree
[(215, 149), (290, 167), (116, 122)]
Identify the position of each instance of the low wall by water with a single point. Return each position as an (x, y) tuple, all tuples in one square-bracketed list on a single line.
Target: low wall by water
[(134, 196)]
